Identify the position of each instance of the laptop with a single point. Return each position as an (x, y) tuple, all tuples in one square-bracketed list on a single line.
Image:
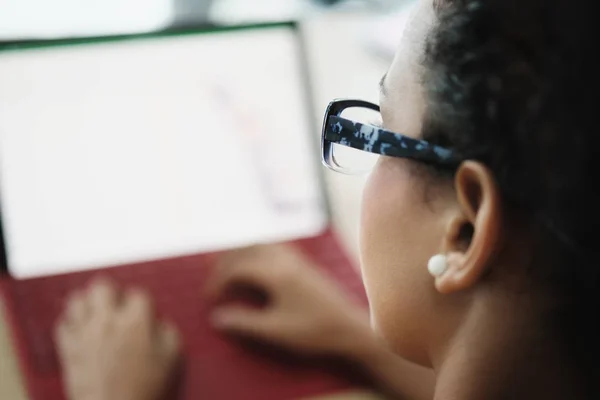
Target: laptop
[(139, 157)]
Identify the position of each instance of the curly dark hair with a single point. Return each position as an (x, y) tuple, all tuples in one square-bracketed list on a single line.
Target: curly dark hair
[(513, 84)]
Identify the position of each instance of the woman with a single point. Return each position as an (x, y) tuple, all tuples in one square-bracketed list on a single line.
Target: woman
[(477, 244)]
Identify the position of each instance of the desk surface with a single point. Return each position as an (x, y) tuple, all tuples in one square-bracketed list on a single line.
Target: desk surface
[(332, 40)]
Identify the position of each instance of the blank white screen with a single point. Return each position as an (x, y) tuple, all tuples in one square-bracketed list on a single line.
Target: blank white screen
[(155, 147)]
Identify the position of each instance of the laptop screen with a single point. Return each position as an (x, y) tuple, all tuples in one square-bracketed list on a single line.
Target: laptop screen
[(152, 147)]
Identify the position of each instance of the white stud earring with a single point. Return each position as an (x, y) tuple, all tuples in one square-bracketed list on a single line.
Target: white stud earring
[(437, 265)]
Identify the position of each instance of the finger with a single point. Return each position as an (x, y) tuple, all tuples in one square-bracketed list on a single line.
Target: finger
[(170, 341), (103, 296), (77, 310), (66, 342), (246, 321), (234, 255), (137, 304), (62, 335), (244, 267)]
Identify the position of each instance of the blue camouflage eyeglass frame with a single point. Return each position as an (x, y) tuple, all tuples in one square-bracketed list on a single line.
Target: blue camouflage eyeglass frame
[(373, 139)]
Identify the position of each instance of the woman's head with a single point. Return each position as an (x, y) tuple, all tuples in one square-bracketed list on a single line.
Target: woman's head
[(508, 85)]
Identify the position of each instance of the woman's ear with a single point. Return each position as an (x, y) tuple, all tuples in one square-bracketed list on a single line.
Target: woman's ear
[(475, 230)]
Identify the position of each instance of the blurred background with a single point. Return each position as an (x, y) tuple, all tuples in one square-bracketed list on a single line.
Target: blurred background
[(349, 46), (44, 18)]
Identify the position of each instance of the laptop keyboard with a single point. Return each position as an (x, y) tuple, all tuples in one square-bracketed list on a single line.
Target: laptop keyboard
[(175, 285)]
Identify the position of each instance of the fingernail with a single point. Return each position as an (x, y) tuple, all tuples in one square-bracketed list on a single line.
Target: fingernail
[(218, 319)]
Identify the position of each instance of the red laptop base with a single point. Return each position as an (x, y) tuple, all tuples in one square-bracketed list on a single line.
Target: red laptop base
[(214, 367)]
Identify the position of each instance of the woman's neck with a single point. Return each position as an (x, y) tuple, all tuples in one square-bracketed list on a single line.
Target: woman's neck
[(502, 352)]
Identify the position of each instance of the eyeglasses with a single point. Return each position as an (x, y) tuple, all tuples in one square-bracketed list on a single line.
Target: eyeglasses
[(351, 146), (351, 142)]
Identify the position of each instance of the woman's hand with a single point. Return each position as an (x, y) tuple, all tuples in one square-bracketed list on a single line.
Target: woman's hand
[(306, 311), (112, 347)]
